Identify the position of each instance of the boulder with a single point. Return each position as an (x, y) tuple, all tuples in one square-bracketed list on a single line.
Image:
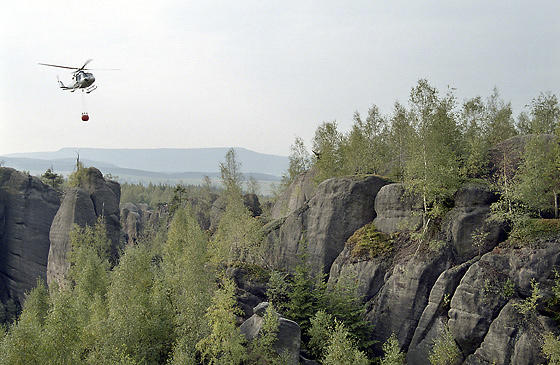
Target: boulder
[(320, 227), (470, 217), (288, 338), (396, 210), (27, 209)]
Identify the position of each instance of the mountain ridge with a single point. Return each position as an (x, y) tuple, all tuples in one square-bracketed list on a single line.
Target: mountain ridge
[(159, 160)]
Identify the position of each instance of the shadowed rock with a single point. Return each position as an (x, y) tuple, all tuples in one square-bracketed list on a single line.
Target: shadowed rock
[(27, 209)]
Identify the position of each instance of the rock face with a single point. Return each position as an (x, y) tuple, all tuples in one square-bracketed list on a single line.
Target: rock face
[(27, 208), (300, 191), (470, 217), (321, 225), (396, 210), (82, 206), (135, 219)]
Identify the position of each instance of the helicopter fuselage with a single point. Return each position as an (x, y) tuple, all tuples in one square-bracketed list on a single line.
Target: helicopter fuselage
[(82, 80)]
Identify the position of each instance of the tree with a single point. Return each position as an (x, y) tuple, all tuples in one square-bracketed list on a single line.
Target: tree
[(392, 352), (322, 326), (537, 181), (545, 113), (476, 144), (327, 148), (189, 280), (261, 349), (341, 350), (399, 136), (445, 350), (225, 343), (230, 173), (432, 168), (364, 149), (299, 162), (53, 179), (499, 124), (141, 317)]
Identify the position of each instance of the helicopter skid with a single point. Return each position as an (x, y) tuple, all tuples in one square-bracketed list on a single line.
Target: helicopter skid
[(90, 89)]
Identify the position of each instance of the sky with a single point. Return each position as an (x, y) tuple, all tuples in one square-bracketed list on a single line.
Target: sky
[(255, 74)]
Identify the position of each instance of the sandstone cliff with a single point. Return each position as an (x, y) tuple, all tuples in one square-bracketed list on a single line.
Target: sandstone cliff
[(27, 208), (96, 197)]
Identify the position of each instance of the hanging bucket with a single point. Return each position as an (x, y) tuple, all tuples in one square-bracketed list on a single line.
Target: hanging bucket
[(85, 117)]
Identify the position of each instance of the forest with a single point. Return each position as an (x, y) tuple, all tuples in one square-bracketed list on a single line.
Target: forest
[(168, 298)]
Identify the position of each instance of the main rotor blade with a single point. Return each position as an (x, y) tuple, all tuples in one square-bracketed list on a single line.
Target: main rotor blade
[(85, 64), (47, 64)]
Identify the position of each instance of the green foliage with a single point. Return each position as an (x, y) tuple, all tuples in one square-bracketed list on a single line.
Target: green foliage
[(261, 350), (230, 173), (140, 313), (189, 280), (345, 304), (238, 235), (392, 352), (551, 348), (278, 290), (432, 168), (299, 162), (445, 350), (369, 242), (527, 229), (537, 181), (78, 176), (545, 113), (322, 325), (52, 179), (326, 146), (305, 296), (529, 305), (224, 344), (341, 349), (153, 195)]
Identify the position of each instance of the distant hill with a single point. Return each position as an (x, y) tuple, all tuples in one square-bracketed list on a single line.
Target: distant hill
[(163, 165)]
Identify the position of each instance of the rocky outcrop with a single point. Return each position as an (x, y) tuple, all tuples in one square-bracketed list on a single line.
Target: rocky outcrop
[(300, 191), (396, 210), (135, 219), (288, 337), (81, 206), (27, 209), (469, 218), (321, 225)]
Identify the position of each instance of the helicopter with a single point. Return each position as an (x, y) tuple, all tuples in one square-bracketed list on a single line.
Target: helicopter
[(81, 79)]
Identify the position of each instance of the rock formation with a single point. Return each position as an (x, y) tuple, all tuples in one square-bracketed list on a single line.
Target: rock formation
[(288, 337), (322, 224), (96, 197), (27, 208)]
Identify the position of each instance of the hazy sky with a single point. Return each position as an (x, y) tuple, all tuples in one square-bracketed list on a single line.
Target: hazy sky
[(255, 74)]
